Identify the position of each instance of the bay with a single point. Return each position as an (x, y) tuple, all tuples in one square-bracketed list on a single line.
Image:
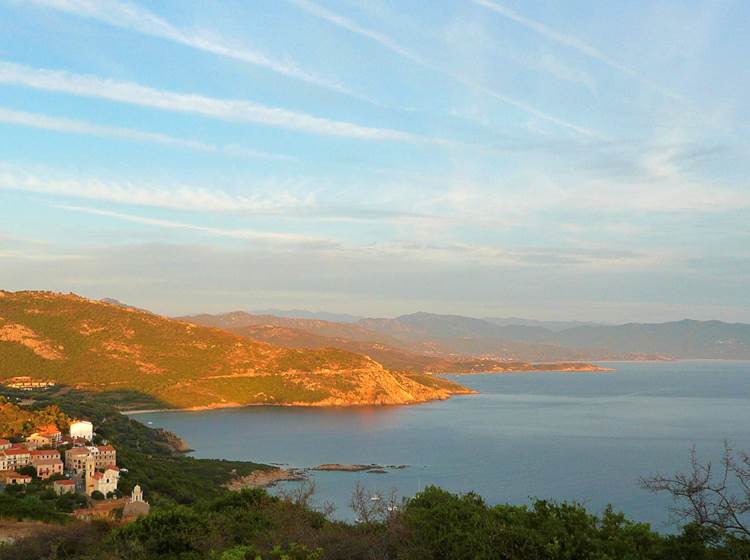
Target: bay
[(587, 437)]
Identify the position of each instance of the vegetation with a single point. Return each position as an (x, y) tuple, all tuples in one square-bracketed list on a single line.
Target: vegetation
[(713, 498), (435, 524), (16, 422), (37, 501), (105, 347)]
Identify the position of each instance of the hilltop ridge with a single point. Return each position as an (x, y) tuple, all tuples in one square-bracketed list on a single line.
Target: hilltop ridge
[(107, 347)]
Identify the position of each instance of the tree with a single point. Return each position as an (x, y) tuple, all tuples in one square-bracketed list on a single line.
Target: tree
[(717, 498), (28, 470), (96, 495)]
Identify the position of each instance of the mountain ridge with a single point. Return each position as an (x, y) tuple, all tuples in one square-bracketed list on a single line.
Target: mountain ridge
[(105, 347), (447, 335)]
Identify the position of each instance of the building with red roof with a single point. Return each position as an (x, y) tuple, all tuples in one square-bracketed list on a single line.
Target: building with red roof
[(65, 486)]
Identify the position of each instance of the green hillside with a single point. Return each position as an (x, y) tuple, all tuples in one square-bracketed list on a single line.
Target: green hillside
[(100, 346)]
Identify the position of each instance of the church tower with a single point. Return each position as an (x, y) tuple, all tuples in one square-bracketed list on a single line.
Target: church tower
[(137, 495), (90, 470)]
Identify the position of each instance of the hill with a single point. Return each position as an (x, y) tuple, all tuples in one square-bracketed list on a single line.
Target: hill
[(103, 347), (387, 350)]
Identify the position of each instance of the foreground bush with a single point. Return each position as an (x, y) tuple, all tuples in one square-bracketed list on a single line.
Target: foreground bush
[(435, 524)]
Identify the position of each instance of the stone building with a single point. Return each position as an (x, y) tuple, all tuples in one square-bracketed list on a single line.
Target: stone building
[(16, 457), (104, 481), (45, 468), (65, 486), (103, 455)]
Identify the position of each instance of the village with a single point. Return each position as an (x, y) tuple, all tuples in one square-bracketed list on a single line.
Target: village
[(71, 463)]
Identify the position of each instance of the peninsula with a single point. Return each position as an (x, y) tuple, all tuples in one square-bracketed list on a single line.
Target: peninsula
[(141, 360)]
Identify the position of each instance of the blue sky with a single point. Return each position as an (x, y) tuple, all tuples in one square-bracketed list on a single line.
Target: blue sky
[(581, 160)]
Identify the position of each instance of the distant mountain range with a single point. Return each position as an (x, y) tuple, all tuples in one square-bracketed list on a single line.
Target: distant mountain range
[(393, 352), (549, 325), (677, 339), (458, 337), (305, 314)]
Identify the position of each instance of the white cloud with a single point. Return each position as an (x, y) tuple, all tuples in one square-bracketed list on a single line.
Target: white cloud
[(225, 109), (389, 43), (573, 43), (159, 196), (46, 122), (141, 20), (243, 234), (400, 249), (349, 25)]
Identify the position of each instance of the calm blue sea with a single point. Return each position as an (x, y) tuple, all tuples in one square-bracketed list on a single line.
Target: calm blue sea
[(573, 436)]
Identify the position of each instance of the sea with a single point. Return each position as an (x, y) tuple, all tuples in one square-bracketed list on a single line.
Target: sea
[(584, 437)]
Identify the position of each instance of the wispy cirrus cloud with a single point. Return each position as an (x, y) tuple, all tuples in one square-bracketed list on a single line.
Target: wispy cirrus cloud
[(397, 250), (574, 43), (234, 110), (269, 200), (346, 23), (394, 46), (141, 20), (75, 126), (234, 233)]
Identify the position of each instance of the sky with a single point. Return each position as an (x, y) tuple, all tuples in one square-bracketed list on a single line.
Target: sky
[(552, 160)]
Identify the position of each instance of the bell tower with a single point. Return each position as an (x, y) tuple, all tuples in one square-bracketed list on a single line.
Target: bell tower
[(90, 470)]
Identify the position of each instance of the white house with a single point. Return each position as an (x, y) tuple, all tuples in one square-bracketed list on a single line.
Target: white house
[(82, 429)]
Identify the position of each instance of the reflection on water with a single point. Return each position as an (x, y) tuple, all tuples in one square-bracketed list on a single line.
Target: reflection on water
[(576, 436)]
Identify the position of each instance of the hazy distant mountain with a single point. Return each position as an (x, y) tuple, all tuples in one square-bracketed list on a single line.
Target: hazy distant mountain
[(678, 339), (500, 338), (426, 355), (240, 319), (305, 314), (421, 325), (681, 339), (550, 325)]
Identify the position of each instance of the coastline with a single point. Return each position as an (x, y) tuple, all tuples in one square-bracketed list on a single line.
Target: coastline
[(321, 404), (333, 404), (588, 368)]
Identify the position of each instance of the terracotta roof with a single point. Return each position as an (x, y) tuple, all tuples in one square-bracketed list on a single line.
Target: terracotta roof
[(48, 428), (97, 475), (65, 482), (105, 448), (16, 451), (48, 462), (78, 451), (40, 452), (4, 442), (111, 468)]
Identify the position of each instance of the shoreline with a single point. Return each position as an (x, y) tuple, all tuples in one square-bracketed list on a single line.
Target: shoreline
[(600, 369), (265, 478), (203, 408), (220, 406)]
